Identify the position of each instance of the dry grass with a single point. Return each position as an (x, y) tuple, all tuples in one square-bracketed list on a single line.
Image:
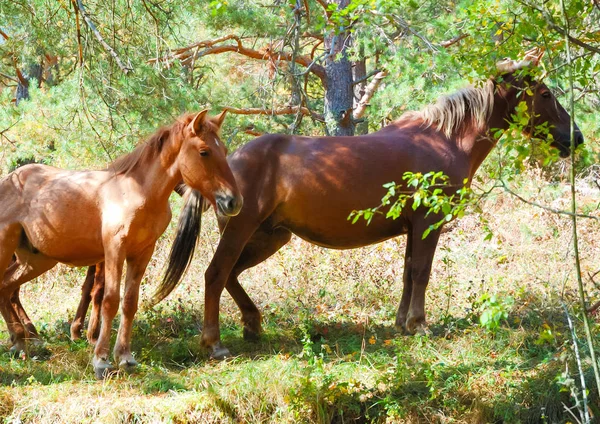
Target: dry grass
[(329, 351)]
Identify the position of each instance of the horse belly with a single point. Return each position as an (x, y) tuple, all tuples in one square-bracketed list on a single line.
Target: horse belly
[(65, 232), (342, 234)]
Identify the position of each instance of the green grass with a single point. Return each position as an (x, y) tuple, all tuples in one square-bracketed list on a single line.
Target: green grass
[(329, 352)]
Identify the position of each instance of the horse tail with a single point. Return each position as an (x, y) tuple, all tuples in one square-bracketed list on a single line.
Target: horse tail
[(182, 250)]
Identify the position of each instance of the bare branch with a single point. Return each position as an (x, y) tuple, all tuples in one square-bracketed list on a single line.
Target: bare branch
[(369, 92), (187, 54), (325, 5), (453, 41), (286, 110), (549, 209), (106, 46), (8, 77)]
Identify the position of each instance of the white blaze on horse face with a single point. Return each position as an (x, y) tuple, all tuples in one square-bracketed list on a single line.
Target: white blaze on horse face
[(217, 142)]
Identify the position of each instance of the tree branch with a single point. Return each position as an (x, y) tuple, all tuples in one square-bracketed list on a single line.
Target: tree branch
[(550, 21), (107, 47), (454, 40), (187, 54), (286, 110), (325, 5), (369, 92)]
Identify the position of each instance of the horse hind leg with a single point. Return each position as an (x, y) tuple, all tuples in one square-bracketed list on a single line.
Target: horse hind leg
[(26, 267), (261, 246), (84, 303), (97, 295), (407, 286), (16, 302)]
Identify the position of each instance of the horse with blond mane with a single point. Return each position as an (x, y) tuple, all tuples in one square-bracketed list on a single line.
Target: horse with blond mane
[(309, 185)]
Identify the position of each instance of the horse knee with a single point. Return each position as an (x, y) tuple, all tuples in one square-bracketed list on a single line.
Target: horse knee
[(110, 304)]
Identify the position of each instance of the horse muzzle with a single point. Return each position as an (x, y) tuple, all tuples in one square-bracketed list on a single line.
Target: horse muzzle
[(564, 145), (229, 204)]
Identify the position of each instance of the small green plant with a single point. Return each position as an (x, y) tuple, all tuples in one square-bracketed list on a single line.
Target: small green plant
[(493, 310), (428, 190)]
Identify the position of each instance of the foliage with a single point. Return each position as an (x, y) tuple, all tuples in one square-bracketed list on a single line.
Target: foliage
[(493, 310), (429, 190), (328, 352)]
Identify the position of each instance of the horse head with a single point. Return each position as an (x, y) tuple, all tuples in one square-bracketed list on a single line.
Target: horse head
[(202, 161), (521, 81)]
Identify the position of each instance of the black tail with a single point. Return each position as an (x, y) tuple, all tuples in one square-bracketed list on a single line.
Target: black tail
[(182, 251)]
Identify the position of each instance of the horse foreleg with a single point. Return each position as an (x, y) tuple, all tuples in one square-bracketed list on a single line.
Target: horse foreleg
[(423, 251), (407, 285), (261, 246), (84, 302), (136, 266), (114, 258)]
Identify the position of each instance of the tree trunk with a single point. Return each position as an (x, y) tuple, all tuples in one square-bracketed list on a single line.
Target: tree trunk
[(359, 72), (339, 89), (35, 71)]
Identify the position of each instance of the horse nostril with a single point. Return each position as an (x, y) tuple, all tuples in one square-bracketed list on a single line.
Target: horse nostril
[(230, 205)]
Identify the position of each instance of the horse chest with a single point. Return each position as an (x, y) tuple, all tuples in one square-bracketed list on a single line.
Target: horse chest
[(137, 227)]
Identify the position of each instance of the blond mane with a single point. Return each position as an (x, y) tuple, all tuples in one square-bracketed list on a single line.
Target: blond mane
[(451, 112)]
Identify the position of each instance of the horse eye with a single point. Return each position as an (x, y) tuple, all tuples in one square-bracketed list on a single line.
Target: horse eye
[(204, 153), (546, 94)]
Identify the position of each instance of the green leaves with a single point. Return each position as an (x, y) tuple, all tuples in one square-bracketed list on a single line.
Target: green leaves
[(429, 191), (493, 310)]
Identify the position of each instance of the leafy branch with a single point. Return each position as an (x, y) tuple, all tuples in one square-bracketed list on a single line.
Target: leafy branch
[(421, 190)]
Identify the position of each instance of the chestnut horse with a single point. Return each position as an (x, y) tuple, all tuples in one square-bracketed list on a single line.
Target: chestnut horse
[(81, 218), (309, 185)]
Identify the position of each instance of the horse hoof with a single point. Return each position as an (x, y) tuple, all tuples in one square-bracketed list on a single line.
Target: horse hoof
[(251, 336), (103, 369), (17, 352), (129, 365), (219, 353), (420, 330)]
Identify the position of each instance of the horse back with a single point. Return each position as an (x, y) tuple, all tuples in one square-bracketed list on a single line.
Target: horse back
[(310, 185)]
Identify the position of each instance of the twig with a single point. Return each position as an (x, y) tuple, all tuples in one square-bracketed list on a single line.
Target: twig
[(584, 415), (549, 209), (108, 48), (559, 29), (287, 110), (586, 323)]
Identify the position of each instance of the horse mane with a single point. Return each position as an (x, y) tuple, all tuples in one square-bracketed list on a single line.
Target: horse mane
[(150, 147), (452, 112)]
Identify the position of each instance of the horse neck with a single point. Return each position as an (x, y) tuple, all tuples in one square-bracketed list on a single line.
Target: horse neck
[(157, 175), (478, 143)]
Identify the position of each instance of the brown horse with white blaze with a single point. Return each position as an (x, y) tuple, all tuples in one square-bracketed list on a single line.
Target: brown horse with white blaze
[(81, 218)]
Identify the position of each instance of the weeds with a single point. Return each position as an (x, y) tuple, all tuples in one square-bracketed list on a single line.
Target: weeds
[(329, 352)]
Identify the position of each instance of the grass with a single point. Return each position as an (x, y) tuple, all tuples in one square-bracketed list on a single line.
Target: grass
[(329, 352)]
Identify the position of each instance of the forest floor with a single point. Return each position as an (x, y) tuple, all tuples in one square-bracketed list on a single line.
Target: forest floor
[(329, 352)]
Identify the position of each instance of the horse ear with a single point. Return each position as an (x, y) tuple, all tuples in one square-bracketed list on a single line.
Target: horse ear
[(196, 124), (218, 120)]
